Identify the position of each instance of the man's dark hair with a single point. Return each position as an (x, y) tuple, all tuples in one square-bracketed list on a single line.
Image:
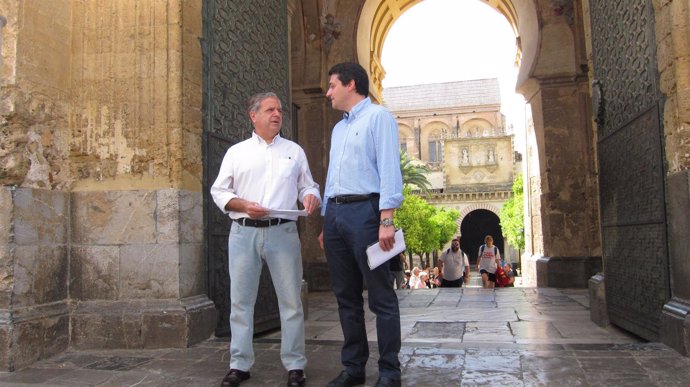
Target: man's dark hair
[(348, 71)]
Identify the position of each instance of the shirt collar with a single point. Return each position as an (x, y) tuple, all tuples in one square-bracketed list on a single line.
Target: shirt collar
[(354, 113), (260, 140)]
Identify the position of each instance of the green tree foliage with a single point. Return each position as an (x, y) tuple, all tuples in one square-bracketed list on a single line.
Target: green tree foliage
[(445, 220), (512, 216), (426, 227), (414, 172)]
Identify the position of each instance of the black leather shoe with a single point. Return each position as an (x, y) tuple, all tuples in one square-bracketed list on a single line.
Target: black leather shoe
[(234, 377), (296, 378), (387, 382), (346, 380)]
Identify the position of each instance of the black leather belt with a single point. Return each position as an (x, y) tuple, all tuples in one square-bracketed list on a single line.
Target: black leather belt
[(342, 199), (262, 222)]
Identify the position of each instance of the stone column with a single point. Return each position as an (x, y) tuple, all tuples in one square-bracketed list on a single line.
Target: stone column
[(673, 55), (565, 243), (137, 271), (316, 119), (34, 306)]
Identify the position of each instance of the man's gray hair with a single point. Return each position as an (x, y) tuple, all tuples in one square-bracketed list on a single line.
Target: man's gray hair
[(254, 102)]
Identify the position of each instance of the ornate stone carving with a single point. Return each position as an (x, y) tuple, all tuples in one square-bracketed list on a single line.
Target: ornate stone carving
[(564, 8), (330, 31)]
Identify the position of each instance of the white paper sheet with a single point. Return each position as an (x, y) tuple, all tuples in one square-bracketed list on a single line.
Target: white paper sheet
[(281, 213), (376, 256)]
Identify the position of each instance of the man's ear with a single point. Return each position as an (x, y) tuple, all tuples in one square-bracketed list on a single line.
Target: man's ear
[(352, 86)]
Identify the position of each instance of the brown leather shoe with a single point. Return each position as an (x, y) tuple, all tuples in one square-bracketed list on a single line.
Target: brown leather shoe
[(346, 380), (234, 377), (296, 378)]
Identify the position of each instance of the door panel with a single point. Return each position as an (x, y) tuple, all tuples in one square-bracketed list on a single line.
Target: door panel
[(245, 51), (631, 169)]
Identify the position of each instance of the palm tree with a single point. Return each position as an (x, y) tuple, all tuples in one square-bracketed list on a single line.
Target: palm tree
[(414, 172)]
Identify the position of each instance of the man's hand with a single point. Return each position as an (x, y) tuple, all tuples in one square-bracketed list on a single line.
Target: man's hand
[(252, 209), (255, 210), (311, 203), (321, 240), (386, 237)]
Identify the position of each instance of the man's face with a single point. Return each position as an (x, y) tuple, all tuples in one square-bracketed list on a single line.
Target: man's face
[(337, 93), (268, 119), (455, 246)]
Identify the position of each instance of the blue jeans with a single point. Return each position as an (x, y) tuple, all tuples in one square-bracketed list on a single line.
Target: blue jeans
[(348, 230), (280, 247)]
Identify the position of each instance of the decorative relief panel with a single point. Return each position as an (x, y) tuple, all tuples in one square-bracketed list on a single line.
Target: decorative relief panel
[(631, 180), (245, 50), (623, 56)]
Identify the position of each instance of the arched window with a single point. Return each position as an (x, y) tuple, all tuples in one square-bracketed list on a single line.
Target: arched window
[(435, 148)]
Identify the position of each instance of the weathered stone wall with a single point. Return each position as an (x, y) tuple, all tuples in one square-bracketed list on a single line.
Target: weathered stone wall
[(34, 241), (100, 123), (34, 306), (672, 23), (137, 271), (135, 117), (34, 93)]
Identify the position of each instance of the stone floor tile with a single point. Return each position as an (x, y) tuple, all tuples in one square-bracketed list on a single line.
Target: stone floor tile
[(83, 377), (431, 377), (489, 361), (436, 361), (469, 336), (491, 378), (32, 375), (485, 331), (666, 371), (534, 330)]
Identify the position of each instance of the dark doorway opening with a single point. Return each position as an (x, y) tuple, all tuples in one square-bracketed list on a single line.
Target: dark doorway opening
[(475, 226)]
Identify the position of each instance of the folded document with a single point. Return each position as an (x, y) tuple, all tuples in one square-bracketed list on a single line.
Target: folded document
[(376, 256)]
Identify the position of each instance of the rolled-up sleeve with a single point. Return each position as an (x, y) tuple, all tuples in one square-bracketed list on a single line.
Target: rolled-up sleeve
[(222, 189)]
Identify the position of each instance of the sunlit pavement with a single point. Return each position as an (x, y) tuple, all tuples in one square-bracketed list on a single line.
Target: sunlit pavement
[(469, 336)]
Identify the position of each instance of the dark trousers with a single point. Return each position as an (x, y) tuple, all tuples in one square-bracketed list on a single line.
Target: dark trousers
[(348, 230), (451, 284)]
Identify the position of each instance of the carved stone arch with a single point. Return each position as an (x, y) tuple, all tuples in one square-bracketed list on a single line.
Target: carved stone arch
[(478, 206), (406, 136), (378, 16), (306, 55), (469, 126), (553, 78)]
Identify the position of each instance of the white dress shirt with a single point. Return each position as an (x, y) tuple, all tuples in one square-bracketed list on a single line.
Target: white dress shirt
[(274, 175)]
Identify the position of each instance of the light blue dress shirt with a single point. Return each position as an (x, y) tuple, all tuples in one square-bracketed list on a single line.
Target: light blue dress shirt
[(364, 156)]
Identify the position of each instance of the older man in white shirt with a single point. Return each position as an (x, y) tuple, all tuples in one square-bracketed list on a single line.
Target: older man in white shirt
[(265, 172)]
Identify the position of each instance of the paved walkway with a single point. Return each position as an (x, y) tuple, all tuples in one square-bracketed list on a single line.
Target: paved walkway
[(451, 337)]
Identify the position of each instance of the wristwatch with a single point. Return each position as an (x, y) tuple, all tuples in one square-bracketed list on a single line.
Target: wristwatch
[(386, 222)]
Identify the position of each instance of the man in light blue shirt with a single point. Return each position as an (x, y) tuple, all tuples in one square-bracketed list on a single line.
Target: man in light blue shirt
[(363, 189)]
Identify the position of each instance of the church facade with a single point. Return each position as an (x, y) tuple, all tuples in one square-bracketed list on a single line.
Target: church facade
[(458, 131)]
